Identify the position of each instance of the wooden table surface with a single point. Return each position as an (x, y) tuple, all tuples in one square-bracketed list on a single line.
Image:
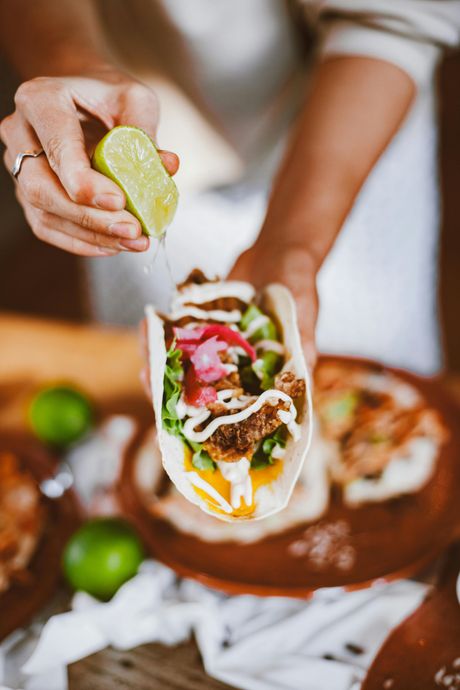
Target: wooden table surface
[(105, 362)]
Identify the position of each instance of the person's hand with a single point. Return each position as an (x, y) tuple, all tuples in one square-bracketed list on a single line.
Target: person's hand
[(66, 203), (144, 374), (291, 265)]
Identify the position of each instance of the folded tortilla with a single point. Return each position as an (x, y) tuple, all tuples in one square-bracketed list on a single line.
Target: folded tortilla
[(271, 489)]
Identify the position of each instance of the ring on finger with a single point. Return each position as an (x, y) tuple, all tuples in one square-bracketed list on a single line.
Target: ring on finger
[(16, 169)]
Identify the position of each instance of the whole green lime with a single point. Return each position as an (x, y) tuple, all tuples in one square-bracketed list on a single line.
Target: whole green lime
[(102, 555), (60, 415)]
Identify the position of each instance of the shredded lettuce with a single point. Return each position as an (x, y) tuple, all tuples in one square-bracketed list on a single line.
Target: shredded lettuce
[(202, 460), (266, 332), (264, 454), (172, 383), (174, 373), (263, 370)]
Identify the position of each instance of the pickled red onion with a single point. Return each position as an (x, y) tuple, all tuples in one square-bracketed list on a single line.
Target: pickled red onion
[(206, 361)]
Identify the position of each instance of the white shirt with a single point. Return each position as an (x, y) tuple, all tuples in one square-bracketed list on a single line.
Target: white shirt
[(378, 285)]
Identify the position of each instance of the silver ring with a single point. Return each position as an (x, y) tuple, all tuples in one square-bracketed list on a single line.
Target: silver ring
[(16, 169)]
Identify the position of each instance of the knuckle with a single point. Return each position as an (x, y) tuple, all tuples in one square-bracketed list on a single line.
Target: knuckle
[(6, 126), (78, 186), (136, 90), (29, 89), (25, 91), (54, 148), (23, 94), (139, 92), (85, 219)]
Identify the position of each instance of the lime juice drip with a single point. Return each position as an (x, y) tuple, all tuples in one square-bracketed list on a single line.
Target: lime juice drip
[(162, 244), (161, 247)]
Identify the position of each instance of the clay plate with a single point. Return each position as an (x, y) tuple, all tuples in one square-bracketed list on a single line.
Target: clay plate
[(388, 540), (19, 603), (423, 652)]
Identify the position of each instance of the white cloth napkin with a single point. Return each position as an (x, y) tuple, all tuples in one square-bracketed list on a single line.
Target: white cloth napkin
[(250, 642)]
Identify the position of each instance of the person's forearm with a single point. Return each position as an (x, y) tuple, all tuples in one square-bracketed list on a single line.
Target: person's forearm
[(353, 110), (51, 37)]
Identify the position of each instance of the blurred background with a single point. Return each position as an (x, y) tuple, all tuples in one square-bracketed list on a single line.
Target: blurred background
[(38, 279)]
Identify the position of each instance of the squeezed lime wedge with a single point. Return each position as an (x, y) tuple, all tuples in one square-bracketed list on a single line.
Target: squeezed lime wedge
[(130, 158)]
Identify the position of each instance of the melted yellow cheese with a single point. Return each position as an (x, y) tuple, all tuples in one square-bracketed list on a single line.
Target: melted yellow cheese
[(259, 478)]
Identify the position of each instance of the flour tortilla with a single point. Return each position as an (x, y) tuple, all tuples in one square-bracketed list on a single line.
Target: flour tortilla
[(308, 502), (269, 499)]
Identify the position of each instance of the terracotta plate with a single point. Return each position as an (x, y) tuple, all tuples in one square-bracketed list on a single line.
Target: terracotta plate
[(424, 651), (22, 601), (346, 547)]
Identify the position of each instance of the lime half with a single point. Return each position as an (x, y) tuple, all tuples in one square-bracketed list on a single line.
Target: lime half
[(129, 157)]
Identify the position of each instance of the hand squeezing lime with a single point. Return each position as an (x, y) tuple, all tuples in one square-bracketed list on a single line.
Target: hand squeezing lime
[(129, 157)]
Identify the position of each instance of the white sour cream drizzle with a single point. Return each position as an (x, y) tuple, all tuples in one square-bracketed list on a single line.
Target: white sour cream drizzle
[(278, 452), (225, 397), (254, 326), (237, 474), (200, 483), (270, 346), (207, 292), (230, 368), (271, 396), (289, 419), (212, 315)]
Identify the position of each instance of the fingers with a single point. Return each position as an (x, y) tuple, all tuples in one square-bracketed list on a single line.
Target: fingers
[(170, 161), (307, 312), (295, 271), (72, 237), (144, 375), (72, 205), (67, 227), (39, 187), (291, 266), (47, 105), (140, 107), (69, 243)]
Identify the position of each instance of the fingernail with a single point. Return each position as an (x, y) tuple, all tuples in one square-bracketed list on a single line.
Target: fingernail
[(128, 230), (103, 251), (109, 202), (139, 245)]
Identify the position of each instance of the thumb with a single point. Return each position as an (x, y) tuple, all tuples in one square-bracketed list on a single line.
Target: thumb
[(141, 108), (307, 311), (298, 274)]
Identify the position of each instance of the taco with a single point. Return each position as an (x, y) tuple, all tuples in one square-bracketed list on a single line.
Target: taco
[(382, 438), (231, 396)]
